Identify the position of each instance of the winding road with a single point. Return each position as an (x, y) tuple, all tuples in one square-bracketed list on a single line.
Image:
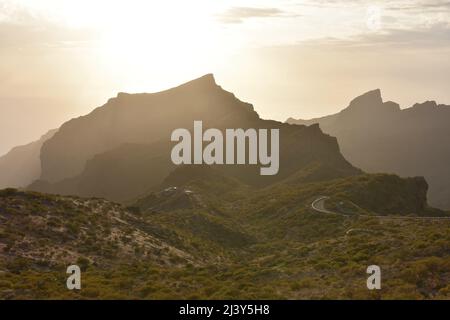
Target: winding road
[(319, 206)]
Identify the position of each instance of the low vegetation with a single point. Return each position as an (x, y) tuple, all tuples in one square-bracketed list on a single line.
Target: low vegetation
[(193, 243)]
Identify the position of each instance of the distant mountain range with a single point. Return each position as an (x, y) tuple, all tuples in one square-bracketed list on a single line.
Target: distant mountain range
[(22, 165), (215, 232), (378, 136), (121, 150)]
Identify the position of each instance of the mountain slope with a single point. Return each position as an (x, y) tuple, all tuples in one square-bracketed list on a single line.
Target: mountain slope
[(122, 150), (119, 174), (211, 238), (378, 136), (59, 230), (22, 165), (140, 119)]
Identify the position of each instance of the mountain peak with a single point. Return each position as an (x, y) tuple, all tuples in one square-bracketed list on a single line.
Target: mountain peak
[(371, 98), (209, 77), (425, 105), (207, 80)]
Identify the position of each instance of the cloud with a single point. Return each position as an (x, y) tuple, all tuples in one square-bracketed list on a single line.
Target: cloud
[(19, 29), (398, 5), (22, 27), (435, 36), (239, 14), (14, 35), (439, 5)]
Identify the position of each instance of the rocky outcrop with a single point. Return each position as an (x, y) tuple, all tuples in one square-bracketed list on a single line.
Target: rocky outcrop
[(378, 136)]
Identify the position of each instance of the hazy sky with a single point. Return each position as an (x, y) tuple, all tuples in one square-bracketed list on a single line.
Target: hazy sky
[(59, 59)]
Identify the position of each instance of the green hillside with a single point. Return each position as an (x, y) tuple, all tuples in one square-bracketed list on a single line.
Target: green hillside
[(203, 235)]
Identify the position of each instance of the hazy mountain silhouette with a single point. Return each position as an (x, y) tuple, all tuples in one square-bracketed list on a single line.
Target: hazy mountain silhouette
[(213, 226), (122, 149), (378, 136), (22, 165)]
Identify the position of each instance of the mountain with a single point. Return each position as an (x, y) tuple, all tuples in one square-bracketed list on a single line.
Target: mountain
[(142, 228), (22, 165), (378, 136), (140, 119), (121, 150)]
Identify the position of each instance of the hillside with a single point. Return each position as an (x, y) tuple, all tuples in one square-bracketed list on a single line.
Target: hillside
[(66, 229), (203, 235), (22, 165), (378, 136)]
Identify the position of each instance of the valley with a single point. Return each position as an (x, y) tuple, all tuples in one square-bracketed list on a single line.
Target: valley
[(109, 199), (218, 241)]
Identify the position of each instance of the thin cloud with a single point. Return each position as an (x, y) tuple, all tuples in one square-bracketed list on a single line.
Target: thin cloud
[(21, 28), (422, 5), (13, 35), (427, 5), (239, 14), (436, 36)]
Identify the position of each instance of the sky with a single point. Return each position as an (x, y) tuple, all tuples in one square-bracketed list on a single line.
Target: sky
[(60, 59)]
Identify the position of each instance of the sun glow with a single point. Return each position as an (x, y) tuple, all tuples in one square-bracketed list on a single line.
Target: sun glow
[(139, 42), (141, 38)]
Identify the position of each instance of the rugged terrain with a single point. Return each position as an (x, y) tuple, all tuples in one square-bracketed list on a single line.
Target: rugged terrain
[(378, 136), (121, 150), (110, 200), (203, 235)]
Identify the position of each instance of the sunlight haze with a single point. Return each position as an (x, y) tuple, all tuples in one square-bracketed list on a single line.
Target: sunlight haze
[(60, 59)]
